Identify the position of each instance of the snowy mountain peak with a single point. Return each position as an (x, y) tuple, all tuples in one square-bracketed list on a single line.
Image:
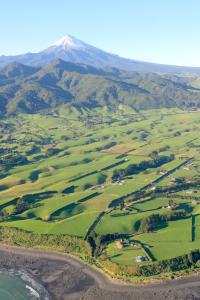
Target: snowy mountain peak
[(69, 42), (70, 49)]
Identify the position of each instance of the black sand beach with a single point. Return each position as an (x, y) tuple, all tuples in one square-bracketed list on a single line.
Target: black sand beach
[(67, 278)]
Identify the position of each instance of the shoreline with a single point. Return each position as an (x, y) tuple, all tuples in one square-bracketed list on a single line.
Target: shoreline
[(34, 288), (65, 276)]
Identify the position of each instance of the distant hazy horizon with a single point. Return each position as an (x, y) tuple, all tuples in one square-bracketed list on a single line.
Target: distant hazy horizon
[(164, 32)]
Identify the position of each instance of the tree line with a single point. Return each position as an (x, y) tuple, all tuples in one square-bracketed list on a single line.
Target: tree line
[(133, 169)]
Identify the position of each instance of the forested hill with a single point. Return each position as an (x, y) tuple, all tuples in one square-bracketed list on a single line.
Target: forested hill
[(30, 89)]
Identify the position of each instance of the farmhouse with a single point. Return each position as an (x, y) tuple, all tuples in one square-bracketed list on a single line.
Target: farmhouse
[(140, 258), (173, 180), (162, 173), (194, 202), (119, 244), (176, 180)]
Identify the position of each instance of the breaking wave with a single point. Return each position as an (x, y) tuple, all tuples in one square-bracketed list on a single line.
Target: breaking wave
[(35, 289)]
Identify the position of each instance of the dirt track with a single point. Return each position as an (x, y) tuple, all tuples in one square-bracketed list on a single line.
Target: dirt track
[(67, 278)]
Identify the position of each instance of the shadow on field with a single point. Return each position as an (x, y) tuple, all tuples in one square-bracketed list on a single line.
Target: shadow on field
[(16, 218), (30, 199), (161, 226), (69, 189), (116, 255), (186, 207), (33, 198), (3, 187), (34, 175), (89, 197), (67, 211), (73, 208)]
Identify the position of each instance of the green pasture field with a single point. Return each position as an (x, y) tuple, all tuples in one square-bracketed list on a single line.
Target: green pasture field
[(125, 256), (65, 158), (171, 241)]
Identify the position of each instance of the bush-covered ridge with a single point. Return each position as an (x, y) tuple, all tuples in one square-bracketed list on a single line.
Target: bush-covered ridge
[(33, 90), (63, 243)]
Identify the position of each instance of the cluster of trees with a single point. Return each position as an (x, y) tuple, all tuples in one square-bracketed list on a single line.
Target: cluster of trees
[(155, 153), (152, 222), (99, 242), (13, 159), (101, 179), (21, 206), (132, 169), (87, 186), (176, 215), (26, 202), (86, 160), (164, 148), (34, 175), (3, 216), (34, 149), (69, 190), (155, 221), (52, 151), (169, 265), (106, 146), (3, 151), (179, 186)]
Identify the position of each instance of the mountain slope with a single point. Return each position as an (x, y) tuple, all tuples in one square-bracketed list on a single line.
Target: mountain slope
[(61, 82), (17, 70), (73, 50)]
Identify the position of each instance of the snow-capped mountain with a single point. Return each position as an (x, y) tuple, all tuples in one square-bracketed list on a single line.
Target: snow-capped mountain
[(73, 50), (68, 42)]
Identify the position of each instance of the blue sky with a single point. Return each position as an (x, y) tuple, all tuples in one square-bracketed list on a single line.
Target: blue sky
[(162, 31)]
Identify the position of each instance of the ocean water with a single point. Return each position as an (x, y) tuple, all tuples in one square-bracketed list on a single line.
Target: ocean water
[(17, 285)]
